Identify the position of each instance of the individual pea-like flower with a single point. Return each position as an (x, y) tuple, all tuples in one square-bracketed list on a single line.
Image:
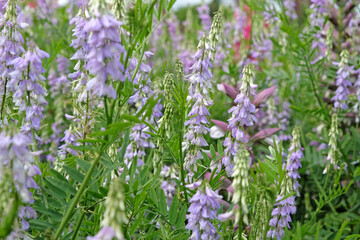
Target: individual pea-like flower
[(342, 81), (241, 184), (29, 94), (243, 115), (294, 159), (115, 213), (103, 56), (284, 207), (202, 211), (334, 154)]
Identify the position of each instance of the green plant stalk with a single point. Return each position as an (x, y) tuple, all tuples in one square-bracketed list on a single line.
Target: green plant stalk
[(77, 197), (3, 100), (78, 226)]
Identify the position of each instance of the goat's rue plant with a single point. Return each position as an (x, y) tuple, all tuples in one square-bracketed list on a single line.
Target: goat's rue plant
[(130, 119)]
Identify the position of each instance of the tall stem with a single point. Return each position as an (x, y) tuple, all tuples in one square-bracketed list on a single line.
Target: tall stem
[(77, 197), (3, 100)]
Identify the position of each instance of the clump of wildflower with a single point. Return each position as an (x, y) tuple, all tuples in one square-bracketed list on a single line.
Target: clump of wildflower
[(104, 53), (29, 96), (115, 214), (243, 115), (240, 184), (118, 9), (80, 43), (319, 10), (204, 15), (283, 208), (342, 81), (294, 157), (214, 35), (202, 211), (334, 153), (11, 42), (15, 155), (259, 223), (169, 184), (168, 106), (290, 6), (139, 139), (200, 86)]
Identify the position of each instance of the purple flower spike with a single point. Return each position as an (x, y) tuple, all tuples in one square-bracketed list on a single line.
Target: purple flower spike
[(199, 89), (202, 210), (104, 53), (293, 161), (343, 81), (243, 115), (281, 216)]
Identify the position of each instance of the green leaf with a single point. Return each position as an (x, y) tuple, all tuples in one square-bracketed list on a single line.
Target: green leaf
[(341, 230), (41, 224), (63, 185), (162, 203), (212, 152), (74, 173), (84, 165), (181, 219), (173, 210)]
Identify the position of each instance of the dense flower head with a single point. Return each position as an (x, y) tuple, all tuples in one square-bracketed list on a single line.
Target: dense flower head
[(294, 157), (240, 184), (115, 214), (29, 94), (15, 155), (281, 216), (243, 115), (334, 154), (204, 15), (284, 207), (319, 10), (139, 139), (290, 6), (214, 35), (202, 211), (199, 89), (343, 81), (169, 185), (11, 45), (103, 55)]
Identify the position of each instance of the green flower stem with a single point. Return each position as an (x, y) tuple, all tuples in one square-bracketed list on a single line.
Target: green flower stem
[(78, 195)]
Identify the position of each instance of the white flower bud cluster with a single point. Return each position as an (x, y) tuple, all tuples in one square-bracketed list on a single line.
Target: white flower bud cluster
[(240, 184), (334, 153), (115, 215)]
